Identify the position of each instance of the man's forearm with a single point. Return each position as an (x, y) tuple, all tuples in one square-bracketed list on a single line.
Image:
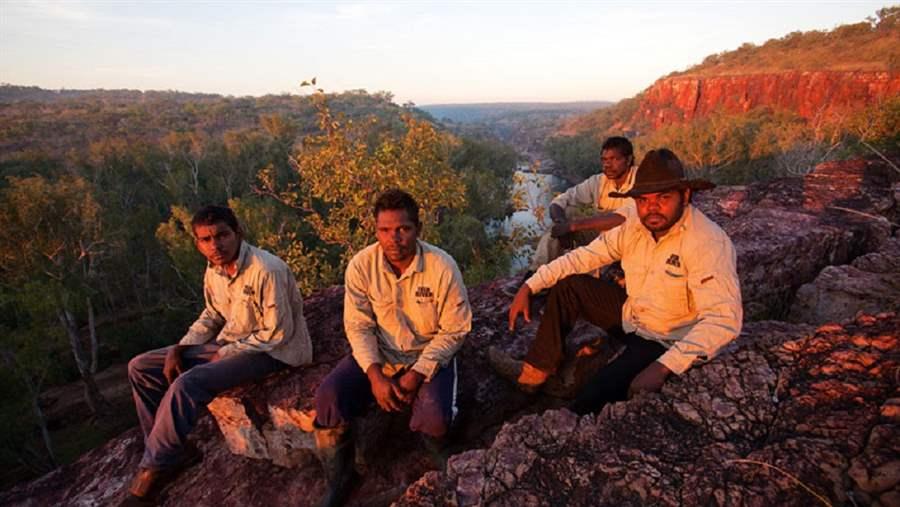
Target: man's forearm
[(600, 223)]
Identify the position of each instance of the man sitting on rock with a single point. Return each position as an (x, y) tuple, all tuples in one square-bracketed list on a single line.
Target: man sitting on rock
[(574, 226), (683, 300), (252, 325), (406, 313)]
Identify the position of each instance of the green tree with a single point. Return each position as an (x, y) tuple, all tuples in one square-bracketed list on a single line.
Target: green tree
[(487, 168), (340, 170), (53, 238), (575, 157)]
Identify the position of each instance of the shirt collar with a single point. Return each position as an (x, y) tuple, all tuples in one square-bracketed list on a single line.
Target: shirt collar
[(629, 180), (416, 266), (241, 261)]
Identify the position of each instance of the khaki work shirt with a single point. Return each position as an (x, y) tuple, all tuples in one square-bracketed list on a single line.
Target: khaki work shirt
[(259, 309), (594, 191), (683, 291), (419, 319)]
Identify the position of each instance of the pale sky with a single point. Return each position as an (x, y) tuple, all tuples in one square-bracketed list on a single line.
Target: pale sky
[(426, 52)]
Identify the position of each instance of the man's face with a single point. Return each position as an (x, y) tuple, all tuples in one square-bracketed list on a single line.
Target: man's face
[(219, 243), (396, 233), (614, 163), (659, 211)]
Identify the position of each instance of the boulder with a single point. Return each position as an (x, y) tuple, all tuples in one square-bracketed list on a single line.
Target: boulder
[(871, 283)]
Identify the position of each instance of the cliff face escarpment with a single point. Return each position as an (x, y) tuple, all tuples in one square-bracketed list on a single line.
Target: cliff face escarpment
[(820, 404), (809, 94)]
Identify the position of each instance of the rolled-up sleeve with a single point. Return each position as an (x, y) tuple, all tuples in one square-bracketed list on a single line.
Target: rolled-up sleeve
[(454, 323), (582, 194), (715, 293), (207, 325), (277, 320), (598, 253), (359, 317)]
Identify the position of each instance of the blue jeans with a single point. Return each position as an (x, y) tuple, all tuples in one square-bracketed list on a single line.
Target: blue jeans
[(168, 412), (346, 394)]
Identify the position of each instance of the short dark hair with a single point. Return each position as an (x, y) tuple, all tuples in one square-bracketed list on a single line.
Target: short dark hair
[(397, 199), (209, 215), (622, 144)]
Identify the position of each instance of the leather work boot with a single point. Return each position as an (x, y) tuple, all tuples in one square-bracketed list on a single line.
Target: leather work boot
[(526, 377), (336, 452), (149, 482)]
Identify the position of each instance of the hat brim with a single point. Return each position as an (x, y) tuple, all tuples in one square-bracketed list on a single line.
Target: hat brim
[(664, 186)]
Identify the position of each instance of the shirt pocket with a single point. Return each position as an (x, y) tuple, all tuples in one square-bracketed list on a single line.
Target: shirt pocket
[(673, 296), (426, 317), (246, 314)]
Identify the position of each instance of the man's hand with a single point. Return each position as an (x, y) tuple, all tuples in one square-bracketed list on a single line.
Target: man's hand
[(520, 304), (387, 393), (173, 367), (650, 379), (560, 229), (409, 384), (557, 213)]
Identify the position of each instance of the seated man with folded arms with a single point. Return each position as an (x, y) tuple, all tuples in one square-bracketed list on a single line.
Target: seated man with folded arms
[(406, 314), (572, 227), (683, 299), (252, 325)]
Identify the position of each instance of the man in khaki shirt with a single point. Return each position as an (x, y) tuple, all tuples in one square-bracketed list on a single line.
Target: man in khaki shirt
[(683, 300), (572, 225), (406, 314), (251, 325)]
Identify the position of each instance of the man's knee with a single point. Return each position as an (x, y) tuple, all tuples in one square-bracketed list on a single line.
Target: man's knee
[(433, 423), (571, 285), (138, 366), (193, 384)]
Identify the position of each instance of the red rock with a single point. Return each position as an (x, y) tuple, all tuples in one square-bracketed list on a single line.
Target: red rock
[(681, 99)]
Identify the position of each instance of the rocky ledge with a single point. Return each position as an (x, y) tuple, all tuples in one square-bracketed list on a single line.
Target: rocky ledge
[(789, 414)]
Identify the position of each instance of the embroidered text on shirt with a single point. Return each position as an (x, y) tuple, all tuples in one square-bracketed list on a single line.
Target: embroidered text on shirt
[(424, 292)]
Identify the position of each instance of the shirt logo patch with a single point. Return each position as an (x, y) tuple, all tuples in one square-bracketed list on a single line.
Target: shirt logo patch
[(424, 292), (248, 290), (673, 260)]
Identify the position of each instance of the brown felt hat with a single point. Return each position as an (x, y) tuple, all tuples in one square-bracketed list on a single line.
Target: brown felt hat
[(661, 171)]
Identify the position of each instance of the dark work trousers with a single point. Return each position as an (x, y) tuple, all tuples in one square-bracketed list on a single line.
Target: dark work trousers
[(600, 303), (346, 393), (168, 412)]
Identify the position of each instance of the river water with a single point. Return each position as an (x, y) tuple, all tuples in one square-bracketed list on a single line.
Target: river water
[(531, 194)]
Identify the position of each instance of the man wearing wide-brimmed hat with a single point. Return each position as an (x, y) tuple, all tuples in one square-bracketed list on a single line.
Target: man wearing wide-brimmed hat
[(683, 300)]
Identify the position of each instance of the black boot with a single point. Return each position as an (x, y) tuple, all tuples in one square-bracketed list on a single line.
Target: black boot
[(335, 448), (438, 450)]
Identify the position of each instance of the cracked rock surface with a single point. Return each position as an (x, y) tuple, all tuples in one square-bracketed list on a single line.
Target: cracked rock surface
[(791, 416)]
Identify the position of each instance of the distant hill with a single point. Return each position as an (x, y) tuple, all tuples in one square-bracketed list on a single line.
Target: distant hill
[(522, 125), (469, 113), (36, 122), (14, 93)]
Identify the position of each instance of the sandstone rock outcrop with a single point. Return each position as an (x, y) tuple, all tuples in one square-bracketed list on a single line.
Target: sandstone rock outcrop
[(810, 93), (870, 283), (821, 405), (791, 417)]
